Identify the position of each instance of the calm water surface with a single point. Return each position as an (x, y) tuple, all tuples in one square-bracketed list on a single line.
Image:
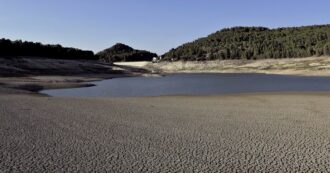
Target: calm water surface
[(197, 84)]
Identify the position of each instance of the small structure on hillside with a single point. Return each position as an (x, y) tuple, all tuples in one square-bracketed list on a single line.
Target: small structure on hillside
[(156, 59)]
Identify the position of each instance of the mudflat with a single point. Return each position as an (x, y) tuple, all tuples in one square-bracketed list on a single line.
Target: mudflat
[(238, 133), (32, 74)]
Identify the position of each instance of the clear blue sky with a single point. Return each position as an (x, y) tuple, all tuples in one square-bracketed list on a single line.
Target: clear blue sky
[(155, 25)]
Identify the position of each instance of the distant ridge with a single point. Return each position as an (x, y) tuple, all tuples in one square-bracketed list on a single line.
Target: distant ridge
[(121, 52), (27, 48), (256, 43)]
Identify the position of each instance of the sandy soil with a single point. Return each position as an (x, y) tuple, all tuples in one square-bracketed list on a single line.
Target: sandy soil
[(38, 83), (26, 66), (133, 64), (37, 73), (242, 133), (313, 66)]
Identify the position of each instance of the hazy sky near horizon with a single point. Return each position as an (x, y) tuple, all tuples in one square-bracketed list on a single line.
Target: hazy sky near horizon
[(155, 25)]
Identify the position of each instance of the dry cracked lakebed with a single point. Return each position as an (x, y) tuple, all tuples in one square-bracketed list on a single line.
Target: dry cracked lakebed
[(240, 133)]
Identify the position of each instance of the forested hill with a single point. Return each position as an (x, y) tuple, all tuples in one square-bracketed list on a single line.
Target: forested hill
[(121, 52), (257, 43), (10, 48)]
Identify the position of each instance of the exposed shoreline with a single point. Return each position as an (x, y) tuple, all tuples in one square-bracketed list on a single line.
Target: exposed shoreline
[(32, 74), (312, 66)]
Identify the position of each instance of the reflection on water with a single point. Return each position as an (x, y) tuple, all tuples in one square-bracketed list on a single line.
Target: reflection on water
[(196, 84)]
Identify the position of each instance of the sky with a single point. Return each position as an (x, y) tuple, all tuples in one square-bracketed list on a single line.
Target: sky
[(154, 25)]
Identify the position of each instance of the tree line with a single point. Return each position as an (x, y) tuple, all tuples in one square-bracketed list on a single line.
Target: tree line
[(256, 43), (25, 48)]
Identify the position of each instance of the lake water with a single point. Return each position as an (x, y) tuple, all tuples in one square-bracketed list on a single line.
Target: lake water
[(197, 84)]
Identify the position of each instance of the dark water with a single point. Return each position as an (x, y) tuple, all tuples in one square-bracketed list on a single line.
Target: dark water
[(197, 84)]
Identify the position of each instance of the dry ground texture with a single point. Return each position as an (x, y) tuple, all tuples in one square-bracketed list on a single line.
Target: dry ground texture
[(313, 66), (242, 133)]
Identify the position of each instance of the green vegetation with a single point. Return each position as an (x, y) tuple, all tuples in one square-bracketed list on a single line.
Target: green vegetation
[(257, 43), (10, 48), (121, 52)]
